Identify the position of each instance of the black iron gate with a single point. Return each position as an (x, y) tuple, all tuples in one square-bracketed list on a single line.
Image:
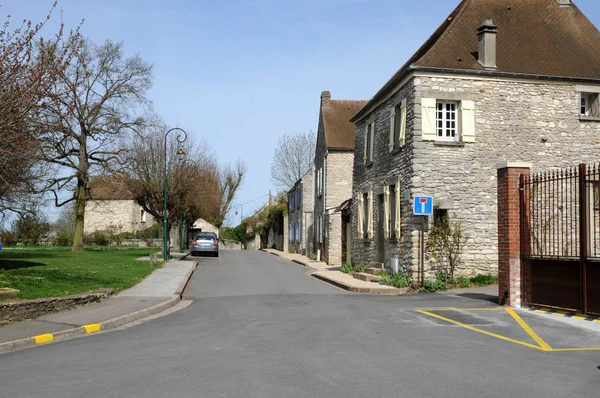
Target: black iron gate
[(560, 239)]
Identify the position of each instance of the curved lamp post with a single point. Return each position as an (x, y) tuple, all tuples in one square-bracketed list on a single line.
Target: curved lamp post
[(181, 137), (241, 207), (181, 214)]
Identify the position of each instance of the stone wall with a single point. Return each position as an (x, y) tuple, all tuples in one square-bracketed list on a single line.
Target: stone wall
[(123, 215), (14, 311), (515, 120)]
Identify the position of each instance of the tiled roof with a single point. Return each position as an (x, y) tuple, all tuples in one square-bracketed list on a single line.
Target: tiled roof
[(535, 37), (113, 187), (339, 131)]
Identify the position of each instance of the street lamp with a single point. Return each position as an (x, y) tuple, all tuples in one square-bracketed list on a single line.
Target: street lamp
[(241, 221), (180, 153), (181, 214)]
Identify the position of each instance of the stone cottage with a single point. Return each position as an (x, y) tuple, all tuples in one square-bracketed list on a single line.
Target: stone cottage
[(334, 156), (111, 207), (497, 82), (300, 211)]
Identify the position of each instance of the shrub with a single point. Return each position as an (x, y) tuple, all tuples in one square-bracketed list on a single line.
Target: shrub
[(8, 238), (396, 280), (347, 268), (64, 238), (437, 285), (29, 227), (96, 238), (445, 243), (484, 280)]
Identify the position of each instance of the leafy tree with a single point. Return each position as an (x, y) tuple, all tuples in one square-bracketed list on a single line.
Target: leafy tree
[(293, 157), (30, 226), (91, 108)]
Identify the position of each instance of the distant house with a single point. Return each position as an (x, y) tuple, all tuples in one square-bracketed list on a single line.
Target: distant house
[(497, 82), (334, 156), (111, 207), (300, 211)]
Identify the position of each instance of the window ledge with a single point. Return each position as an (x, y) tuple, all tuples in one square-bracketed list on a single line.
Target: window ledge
[(589, 118), (369, 163), (449, 143)]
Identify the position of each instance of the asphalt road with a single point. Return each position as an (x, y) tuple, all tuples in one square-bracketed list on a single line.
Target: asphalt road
[(259, 327)]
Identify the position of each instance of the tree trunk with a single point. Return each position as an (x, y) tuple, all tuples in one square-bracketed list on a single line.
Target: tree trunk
[(79, 217)]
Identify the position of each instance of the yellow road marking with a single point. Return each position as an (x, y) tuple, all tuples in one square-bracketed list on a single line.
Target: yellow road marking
[(498, 336), (529, 330), (43, 338), (578, 317), (560, 314), (461, 309), (577, 349), (541, 310), (92, 328)]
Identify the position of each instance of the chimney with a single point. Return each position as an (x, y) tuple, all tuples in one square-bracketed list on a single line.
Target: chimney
[(325, 97), (487, 44), (564, 3)]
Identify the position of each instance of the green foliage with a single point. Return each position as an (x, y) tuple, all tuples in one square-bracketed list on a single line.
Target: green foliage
[(56, 271), (8, 238), (347, 268), (437, 285), (229, 233), (96, 238), (484, 280), (445, 243), (395, 280), (64, 238), (30, 227)]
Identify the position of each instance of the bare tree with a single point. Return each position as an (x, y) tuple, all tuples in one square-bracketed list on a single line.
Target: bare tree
[(91, 108), (231, 179), (192, 186), (29, 67), (294, 156)]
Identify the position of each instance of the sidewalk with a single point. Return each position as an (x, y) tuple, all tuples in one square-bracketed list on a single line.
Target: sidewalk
[(333, 275), (159, 291)]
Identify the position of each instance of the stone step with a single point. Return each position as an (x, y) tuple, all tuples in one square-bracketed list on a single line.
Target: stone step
[(372, 270), (363, 276)]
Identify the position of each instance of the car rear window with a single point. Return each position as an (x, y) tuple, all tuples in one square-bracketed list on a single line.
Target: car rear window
[(205, 237)]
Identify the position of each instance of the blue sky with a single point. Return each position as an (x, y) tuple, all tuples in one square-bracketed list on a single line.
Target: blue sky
[(242, 72)]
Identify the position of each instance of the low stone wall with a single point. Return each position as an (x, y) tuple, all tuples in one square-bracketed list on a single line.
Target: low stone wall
[(14, 311)]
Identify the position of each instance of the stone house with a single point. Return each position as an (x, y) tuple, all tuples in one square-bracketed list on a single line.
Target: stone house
[(334, 155), (497, 82), (111, 207), (300, 211)]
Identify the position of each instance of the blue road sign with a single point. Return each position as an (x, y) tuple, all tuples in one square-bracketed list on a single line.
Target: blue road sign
[(423, 205)]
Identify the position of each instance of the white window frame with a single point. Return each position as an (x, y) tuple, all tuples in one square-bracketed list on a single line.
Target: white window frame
[(143, 216), (369, 143), (584, 109), (444, 131)]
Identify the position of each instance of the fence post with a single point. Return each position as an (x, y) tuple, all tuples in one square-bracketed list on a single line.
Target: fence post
[(583, 238), (509, 232)]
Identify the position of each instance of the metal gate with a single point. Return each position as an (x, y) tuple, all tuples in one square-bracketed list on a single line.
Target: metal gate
[(560, 238)]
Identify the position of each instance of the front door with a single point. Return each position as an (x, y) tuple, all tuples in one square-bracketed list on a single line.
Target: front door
[(380, 229)]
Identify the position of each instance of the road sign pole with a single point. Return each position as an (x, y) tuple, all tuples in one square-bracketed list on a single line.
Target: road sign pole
[(422, 250)]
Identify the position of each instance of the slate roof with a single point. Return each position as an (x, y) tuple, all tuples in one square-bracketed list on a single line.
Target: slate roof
[(535, 37), (339, 131), (113, 187)]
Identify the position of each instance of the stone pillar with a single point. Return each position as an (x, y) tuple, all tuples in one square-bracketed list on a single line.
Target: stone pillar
[(509, 236), (334, 240)]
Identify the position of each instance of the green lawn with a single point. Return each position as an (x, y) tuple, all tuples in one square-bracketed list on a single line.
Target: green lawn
[(52, 272)]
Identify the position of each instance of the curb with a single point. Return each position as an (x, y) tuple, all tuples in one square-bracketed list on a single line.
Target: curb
[(97, 327), (353, 289)]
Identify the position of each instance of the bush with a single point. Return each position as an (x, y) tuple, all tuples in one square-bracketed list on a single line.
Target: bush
[(8, 238), (29, 227), (396, 280), (96, 238), (437, 285), (64, 238), (347, 268), (484, 280)]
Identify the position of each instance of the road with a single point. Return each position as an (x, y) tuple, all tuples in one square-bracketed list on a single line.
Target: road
[(260, 327)]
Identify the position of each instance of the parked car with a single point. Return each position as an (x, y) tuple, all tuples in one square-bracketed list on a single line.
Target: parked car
[(205, 242)]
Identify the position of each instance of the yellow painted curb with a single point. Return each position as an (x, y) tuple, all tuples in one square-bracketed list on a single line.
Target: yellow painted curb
[(92, 327), (43, 338)]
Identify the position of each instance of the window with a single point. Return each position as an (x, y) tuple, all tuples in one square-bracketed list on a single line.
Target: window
[(365, 215), (590, 105), (142, 215), (320, 182), (291, 232), (298, 232), (319, 229), (398, 126), (291, 205), (445, 120), (299, 197), (369, 143), (448, 121)]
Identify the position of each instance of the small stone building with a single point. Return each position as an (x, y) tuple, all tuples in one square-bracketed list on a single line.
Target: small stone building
[(110, 207), (497, 82), (300, 210), (334, 156)]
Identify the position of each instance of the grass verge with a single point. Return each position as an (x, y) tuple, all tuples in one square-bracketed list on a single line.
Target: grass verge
[(54, 272)]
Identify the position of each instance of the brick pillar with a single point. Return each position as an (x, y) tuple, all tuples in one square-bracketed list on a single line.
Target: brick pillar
[(509, 237)]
